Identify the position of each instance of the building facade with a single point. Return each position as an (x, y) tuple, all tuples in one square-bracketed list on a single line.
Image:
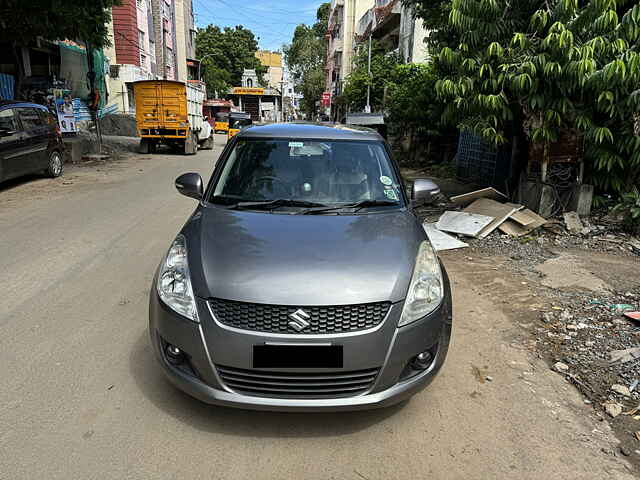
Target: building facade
[(132, 54), (341, 40), (395, 27), (151, 39), (275, 71), (185, 41)]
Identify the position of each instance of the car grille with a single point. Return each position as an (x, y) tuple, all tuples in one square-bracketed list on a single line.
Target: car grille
[(276, 318), (297, 385)]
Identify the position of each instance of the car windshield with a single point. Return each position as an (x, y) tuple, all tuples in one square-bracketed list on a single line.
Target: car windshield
[(319, 173)]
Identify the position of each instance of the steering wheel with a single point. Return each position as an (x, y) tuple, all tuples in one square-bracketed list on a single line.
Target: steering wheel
[(275, 181)]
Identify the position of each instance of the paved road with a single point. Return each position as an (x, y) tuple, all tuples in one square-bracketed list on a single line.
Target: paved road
[(81, 397)]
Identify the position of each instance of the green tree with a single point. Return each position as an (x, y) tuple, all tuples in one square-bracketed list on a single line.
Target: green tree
[(549, 67), (22, 23), (382, 72), (404, 92), (306, 57), (228, 52), (84, 20)]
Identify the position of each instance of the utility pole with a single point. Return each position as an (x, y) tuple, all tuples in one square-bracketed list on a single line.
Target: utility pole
[(200, 63), (367, 108), (282, 101)]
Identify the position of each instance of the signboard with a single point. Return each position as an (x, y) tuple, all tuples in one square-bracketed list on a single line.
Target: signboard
[(248, 91), (217, 103), (65, 111), (326, 99)]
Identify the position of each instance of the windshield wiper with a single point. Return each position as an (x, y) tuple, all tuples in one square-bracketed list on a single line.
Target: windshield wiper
[(280, 202), (355, 206)]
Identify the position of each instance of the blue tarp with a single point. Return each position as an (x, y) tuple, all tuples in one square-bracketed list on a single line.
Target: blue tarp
[(6, 86)]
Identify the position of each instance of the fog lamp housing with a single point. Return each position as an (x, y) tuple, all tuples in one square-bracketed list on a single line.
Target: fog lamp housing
[(174, 354), (422, 361)]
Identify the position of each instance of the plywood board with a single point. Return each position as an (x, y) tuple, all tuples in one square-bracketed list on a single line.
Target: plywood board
[(464, 223), (522, 218), (467, 198), (440, 240), (515, 229), (499, 211)]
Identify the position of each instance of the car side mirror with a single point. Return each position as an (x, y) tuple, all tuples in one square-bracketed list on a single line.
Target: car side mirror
[(190, 185), (424, 191)]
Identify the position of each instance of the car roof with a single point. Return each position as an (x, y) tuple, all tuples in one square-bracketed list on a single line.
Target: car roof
[(314, 131), (18, 103)]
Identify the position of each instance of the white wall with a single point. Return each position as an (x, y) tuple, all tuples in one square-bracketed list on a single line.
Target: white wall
[(180, 42)]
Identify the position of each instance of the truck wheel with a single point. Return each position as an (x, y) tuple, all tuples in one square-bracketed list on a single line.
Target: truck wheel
[(144, 146), (190, 144), (153, 147), (208, 143)]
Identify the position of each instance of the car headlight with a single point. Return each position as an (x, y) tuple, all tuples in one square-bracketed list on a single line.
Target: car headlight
[(426, 289), (174, 282)]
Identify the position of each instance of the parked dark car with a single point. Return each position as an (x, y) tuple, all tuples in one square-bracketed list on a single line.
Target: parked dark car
[(30, 141), (303, 280)]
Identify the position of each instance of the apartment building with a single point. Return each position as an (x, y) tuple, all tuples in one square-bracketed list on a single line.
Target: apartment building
[(151, 39), (396, 28), (341, 36), (273, 62), (185, 41), (132, 54)]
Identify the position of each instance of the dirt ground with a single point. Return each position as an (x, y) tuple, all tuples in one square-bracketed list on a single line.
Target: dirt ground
[(562, 299), (80, 253)]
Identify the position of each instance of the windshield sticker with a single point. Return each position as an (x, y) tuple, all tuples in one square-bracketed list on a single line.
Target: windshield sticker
[(386, 180), (307, 187), (296, 144), (391, 194)]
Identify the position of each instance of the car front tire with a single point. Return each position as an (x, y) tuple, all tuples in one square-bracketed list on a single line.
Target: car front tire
[(56, 164)]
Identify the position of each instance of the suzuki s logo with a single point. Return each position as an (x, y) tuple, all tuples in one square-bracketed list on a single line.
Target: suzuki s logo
[(299, 320)]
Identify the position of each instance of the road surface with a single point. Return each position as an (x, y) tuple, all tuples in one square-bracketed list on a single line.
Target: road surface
[(82, 398)]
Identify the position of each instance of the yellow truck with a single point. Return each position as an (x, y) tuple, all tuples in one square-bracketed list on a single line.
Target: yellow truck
[(170, 113)]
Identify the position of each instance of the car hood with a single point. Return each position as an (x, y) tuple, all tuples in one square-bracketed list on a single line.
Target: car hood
[(301, 260)]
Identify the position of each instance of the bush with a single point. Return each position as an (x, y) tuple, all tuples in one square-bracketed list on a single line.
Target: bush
[(629, 208)]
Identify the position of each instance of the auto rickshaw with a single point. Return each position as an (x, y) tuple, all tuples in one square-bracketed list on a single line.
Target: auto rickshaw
[(221, 124), (238, 121)]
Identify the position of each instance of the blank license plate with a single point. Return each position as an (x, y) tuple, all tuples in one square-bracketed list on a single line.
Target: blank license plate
[(297, 356)]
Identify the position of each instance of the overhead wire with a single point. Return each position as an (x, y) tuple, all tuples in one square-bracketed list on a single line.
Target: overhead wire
[(270, 31)]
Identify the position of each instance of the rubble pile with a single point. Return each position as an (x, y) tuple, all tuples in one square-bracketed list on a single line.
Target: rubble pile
[(485, 220), (597, 343)]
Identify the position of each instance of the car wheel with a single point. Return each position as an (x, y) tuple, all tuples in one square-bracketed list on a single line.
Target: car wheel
[(208, 143), (56, 164)]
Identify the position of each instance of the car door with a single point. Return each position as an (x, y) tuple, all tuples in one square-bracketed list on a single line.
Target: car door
[(12, 146), (36, 138)]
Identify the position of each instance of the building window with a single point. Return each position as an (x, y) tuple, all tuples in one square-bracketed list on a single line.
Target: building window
[(141, 40), (143, 60), (249, 82)]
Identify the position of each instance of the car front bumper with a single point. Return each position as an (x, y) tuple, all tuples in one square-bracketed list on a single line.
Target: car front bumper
[(387, 348)]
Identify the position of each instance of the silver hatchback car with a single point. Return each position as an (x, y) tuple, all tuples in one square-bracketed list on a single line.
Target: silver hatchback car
[(303, 280)]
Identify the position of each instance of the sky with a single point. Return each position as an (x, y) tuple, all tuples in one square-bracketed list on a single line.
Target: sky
[(273, 21)]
